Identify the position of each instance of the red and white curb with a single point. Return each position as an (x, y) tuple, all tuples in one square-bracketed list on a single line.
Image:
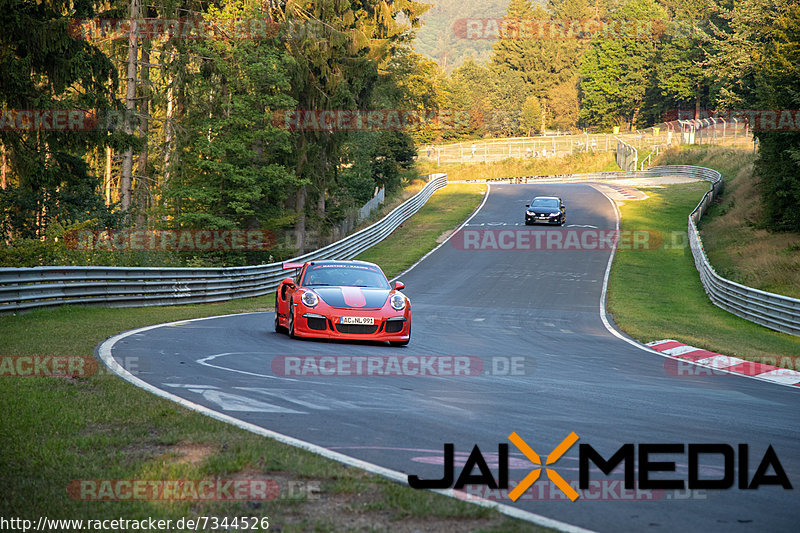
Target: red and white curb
[(620, 193), (628, 192), (726, 363)]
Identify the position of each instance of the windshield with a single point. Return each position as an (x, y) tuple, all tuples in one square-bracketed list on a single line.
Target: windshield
[(545, 202), (346, 275)]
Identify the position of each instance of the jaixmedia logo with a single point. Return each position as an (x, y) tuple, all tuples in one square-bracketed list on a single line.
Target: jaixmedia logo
[(736, 463)]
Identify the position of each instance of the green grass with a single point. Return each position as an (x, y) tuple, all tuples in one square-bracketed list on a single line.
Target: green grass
[(445, 210), (656, 294), (728, 161), (57, 430), (572, 164), (732, 230)]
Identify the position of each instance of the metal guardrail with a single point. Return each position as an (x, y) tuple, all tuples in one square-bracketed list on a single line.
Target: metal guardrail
[(28, 288), (768, 309)]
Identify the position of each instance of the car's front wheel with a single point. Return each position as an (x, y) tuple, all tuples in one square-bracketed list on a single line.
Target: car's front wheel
[(291, 322)]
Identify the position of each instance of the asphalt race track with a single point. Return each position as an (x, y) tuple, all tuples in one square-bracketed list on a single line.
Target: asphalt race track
[(539, 310)]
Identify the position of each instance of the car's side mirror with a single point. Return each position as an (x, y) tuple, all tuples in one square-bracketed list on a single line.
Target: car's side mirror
[(527, 205), (399, 285), (288, 281)]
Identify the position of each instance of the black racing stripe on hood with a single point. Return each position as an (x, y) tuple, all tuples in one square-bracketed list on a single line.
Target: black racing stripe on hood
[(375, 298)]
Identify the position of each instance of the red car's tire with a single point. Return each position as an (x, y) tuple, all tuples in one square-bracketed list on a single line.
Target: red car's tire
[(291, 322)]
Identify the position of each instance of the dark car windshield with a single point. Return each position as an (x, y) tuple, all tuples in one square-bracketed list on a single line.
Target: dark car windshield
[(545, 202), (345, 275)]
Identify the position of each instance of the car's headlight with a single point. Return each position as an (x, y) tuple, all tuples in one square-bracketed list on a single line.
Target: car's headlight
[(397, 301), (555, 214), (309, 299)]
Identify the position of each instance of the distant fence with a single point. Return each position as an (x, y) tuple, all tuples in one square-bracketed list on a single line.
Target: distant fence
[(27, 288), (372, 205), (707, 131), (627, 156)]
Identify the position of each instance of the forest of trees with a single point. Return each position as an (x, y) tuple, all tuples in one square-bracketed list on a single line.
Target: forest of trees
[(198, 145)]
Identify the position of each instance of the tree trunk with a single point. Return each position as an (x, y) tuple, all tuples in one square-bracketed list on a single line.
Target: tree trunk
[(130, 105), (107, 179), (321, 204), (168, 134), (3, 167), (300, 198), (323, 172), (143, 183), (544, 116), (697, 103), (300, 224)]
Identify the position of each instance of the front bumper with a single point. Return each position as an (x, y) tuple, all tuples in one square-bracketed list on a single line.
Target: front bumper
[(547, 220), (327, 326)]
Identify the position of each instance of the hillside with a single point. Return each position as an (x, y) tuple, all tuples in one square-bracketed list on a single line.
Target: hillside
[(437, 40)]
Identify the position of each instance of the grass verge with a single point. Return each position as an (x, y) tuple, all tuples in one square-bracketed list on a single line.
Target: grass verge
[(413, 239), (656, 294), (735, 241), (572, 164), (54, 431)]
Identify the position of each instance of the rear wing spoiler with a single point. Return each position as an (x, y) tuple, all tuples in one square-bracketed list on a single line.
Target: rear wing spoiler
[(287, 266)]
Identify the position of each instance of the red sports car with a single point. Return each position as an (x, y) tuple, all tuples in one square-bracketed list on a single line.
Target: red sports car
[(342, 300)]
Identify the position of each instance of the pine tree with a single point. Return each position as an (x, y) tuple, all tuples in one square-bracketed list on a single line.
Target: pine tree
[(45, 66)]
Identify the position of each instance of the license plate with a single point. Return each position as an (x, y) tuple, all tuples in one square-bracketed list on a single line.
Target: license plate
[(358, 320)]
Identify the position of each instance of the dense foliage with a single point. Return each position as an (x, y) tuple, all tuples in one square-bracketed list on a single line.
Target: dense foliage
[(205, 141)]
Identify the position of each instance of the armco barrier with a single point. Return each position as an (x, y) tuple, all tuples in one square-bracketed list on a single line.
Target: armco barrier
[(27, 288), (773, 311), (768, 309)]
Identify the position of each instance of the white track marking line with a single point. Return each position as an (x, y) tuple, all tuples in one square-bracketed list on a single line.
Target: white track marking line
[(204, 362), (104, 351)]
